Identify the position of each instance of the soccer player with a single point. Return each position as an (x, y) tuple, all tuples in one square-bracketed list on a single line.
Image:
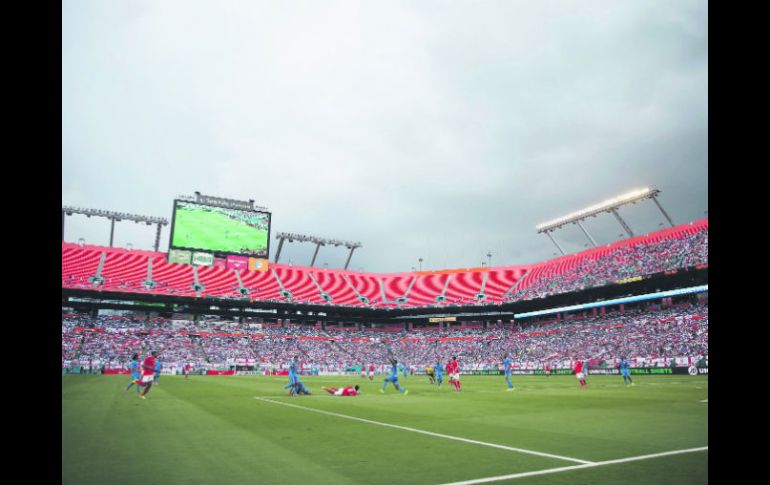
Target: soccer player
[(363, 371), (405, 370), (347, 391), (371, 372), (148, 372), (186, 370), (293, 376), (453, 369), (579, 373), (393, 378), (136, 376), (623, 365), (438, 369), (431, 375), (299, 388), (547, 369), (507, 367), (156, 376)]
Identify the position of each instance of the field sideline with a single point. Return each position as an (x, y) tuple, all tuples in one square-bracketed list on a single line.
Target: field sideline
[(244, 430)]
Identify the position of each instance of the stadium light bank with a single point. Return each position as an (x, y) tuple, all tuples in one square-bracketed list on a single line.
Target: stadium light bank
[(114, 217), (609, 206), (318, 241)]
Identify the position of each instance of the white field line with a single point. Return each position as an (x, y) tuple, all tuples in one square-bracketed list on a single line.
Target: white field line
[(429, 433), (576, 467)]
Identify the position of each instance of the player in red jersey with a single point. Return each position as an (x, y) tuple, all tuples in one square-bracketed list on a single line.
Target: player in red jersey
[(186, 370), (579, 373), (371, 372), (453, 369), (347, 391), (547, 369), (148, 372)]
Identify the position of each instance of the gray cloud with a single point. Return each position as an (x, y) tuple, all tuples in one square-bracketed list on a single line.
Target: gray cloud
[(440, 130)]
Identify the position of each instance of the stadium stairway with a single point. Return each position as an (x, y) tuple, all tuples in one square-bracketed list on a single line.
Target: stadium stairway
[(335, 284)]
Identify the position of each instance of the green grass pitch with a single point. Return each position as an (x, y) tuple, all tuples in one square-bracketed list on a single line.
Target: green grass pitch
[(212, 430), (215, 231)]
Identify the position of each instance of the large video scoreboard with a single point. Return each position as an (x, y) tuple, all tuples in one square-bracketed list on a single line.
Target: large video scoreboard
[(220, 230)]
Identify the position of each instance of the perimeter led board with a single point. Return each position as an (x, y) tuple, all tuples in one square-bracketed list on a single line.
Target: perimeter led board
[(220, 230)]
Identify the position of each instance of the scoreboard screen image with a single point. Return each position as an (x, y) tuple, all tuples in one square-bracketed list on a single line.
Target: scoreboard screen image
[(220, 230)]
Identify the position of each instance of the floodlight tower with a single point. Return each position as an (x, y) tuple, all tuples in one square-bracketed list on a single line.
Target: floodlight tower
[(114, 217), (318, 241), (608, 206)]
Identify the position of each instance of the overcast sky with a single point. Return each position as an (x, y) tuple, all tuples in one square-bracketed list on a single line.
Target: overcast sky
[(433, 129)]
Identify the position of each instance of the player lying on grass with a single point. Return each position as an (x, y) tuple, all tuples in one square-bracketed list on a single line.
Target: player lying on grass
[(347, 391), (298, 388)]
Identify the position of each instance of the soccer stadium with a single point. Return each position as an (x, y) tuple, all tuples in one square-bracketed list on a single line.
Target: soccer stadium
[(215, 337)]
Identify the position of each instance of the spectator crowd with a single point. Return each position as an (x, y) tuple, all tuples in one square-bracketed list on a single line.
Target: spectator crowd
[(648, 337)]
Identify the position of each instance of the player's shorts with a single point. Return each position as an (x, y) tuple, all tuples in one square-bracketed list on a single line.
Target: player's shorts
[(147, 378), (624, 372), (393, 379), (338, 392), (136, 377), (580, 375), (439, 376), (456, 376)]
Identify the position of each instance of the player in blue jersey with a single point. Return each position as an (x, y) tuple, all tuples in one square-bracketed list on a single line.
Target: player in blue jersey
[(298, 388), (393, 378), (439, 369), (136, 376), (158, 367), (507, 368), (293, 376), (623, 365)]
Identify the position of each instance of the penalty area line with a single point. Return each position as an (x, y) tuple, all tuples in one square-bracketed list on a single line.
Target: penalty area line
[(429, 433), (576, 467)]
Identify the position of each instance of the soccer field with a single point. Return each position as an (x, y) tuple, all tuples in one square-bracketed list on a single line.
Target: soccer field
[(247, 430)]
